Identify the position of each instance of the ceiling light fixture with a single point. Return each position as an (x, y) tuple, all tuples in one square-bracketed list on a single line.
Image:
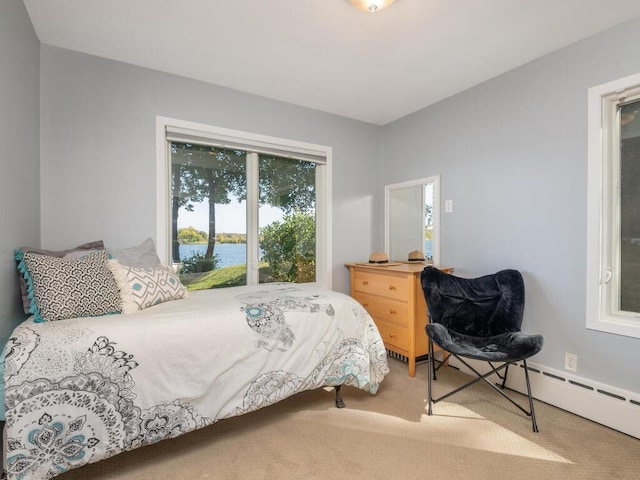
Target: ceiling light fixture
[(371, 6)]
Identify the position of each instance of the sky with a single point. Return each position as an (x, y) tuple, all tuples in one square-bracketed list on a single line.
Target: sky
[(230, 218)]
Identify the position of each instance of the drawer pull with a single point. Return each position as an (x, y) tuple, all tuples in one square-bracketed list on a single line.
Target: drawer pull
[(392, 311), (365, 304), (392, 335), (365, 283), (392, 287)]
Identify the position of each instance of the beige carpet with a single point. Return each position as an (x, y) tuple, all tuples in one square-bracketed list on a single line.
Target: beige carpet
[(472, 435)]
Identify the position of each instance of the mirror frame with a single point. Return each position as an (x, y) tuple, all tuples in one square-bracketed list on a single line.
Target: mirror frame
[(435, 180)]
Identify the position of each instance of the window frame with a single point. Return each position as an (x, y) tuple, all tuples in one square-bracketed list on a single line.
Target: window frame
[(603, 215), (257, 143)]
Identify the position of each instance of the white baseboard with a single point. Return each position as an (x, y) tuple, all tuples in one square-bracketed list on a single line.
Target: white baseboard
[(610, 406)]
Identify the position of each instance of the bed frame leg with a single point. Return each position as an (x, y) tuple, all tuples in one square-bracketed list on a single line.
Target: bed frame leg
[(339, 401), (3, 472)]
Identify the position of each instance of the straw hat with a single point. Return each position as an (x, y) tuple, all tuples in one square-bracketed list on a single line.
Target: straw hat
[(416, 256), (378, 257)]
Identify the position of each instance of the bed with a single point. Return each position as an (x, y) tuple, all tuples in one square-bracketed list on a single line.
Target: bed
[(80, 390)]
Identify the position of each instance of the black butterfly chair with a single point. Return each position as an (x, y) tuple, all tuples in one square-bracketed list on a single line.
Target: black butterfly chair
[(479, 318)]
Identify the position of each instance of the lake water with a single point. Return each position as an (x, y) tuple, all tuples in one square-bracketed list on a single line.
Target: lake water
[(228, 253), (428, 248), (236, 253)]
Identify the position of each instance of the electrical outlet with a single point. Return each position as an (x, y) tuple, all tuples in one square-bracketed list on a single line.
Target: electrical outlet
[(571, 362)]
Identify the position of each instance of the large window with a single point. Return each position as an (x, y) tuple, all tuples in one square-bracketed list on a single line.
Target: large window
[(613, 283), (238, 208)]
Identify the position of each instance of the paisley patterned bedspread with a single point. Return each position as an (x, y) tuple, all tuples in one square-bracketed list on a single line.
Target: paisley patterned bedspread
[(81, 390)]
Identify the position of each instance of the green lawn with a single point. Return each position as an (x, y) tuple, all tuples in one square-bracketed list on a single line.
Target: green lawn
[(223, 277), (630, 278)]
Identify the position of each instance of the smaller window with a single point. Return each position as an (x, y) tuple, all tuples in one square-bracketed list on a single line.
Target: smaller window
[(613, 238)]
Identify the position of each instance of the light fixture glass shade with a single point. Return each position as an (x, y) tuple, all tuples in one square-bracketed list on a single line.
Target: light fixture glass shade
[(371, 6)]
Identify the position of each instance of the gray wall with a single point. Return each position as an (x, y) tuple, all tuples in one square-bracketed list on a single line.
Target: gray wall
[(98, 152), (19, 152), (512, 155)]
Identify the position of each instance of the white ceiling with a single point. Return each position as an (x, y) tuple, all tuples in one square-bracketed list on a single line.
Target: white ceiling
[(324, 54)]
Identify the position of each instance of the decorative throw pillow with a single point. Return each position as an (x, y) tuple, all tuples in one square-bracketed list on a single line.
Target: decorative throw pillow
[(26, 301), (141, 288), (78, 254), (143, 255), (60, 288)]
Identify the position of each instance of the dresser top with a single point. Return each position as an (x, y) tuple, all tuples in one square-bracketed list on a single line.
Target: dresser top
[(406, 267)]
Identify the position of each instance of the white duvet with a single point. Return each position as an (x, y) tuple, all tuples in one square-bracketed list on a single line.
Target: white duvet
[(81, 390)]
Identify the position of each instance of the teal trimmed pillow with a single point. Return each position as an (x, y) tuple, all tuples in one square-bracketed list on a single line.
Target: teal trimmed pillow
[(61, 288), (141, 288), (85, 247)]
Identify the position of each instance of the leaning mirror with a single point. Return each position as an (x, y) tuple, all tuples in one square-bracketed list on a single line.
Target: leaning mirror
[(412, 219)]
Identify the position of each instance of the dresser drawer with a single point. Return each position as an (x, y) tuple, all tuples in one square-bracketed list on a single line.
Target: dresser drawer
[(391, 286), (394, 335), (387, 309)]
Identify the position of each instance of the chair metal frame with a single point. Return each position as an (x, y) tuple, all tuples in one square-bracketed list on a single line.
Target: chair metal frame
[(432, 369)]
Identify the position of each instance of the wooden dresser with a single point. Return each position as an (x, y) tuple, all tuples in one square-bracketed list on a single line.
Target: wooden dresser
[(392, 294)]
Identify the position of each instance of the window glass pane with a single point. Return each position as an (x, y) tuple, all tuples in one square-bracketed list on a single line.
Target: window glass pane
[(208, 234), (428, 222), (406, 218), (630, 207), (287, 220)]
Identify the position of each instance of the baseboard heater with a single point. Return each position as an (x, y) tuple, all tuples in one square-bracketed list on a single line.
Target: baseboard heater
[(402, 358)]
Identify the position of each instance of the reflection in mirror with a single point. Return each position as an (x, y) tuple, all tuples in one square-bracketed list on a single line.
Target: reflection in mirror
[(412, 219)]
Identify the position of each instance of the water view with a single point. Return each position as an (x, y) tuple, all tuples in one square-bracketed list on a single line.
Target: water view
[(228, 253), (236, 253)]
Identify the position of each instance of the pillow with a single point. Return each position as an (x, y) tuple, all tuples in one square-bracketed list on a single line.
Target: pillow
[(141, 256), (26, 301), (60, 288), (141, 288), (78, 254)]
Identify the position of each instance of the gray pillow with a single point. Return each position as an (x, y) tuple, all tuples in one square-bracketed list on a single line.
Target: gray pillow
[(140, 256), (26, 301)]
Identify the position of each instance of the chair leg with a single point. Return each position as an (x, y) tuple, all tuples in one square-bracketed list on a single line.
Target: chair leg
[(435, 368), (479, 377), (504, 378), (430, 373), (497, 387), (534, 424), (438, 364)]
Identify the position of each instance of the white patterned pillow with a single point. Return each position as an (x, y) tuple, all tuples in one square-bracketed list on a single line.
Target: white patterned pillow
[(141, 288), (61, 288)]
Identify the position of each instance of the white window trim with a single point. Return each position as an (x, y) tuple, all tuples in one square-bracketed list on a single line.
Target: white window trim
[(602, 105), (436, 211), (323, 182)]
